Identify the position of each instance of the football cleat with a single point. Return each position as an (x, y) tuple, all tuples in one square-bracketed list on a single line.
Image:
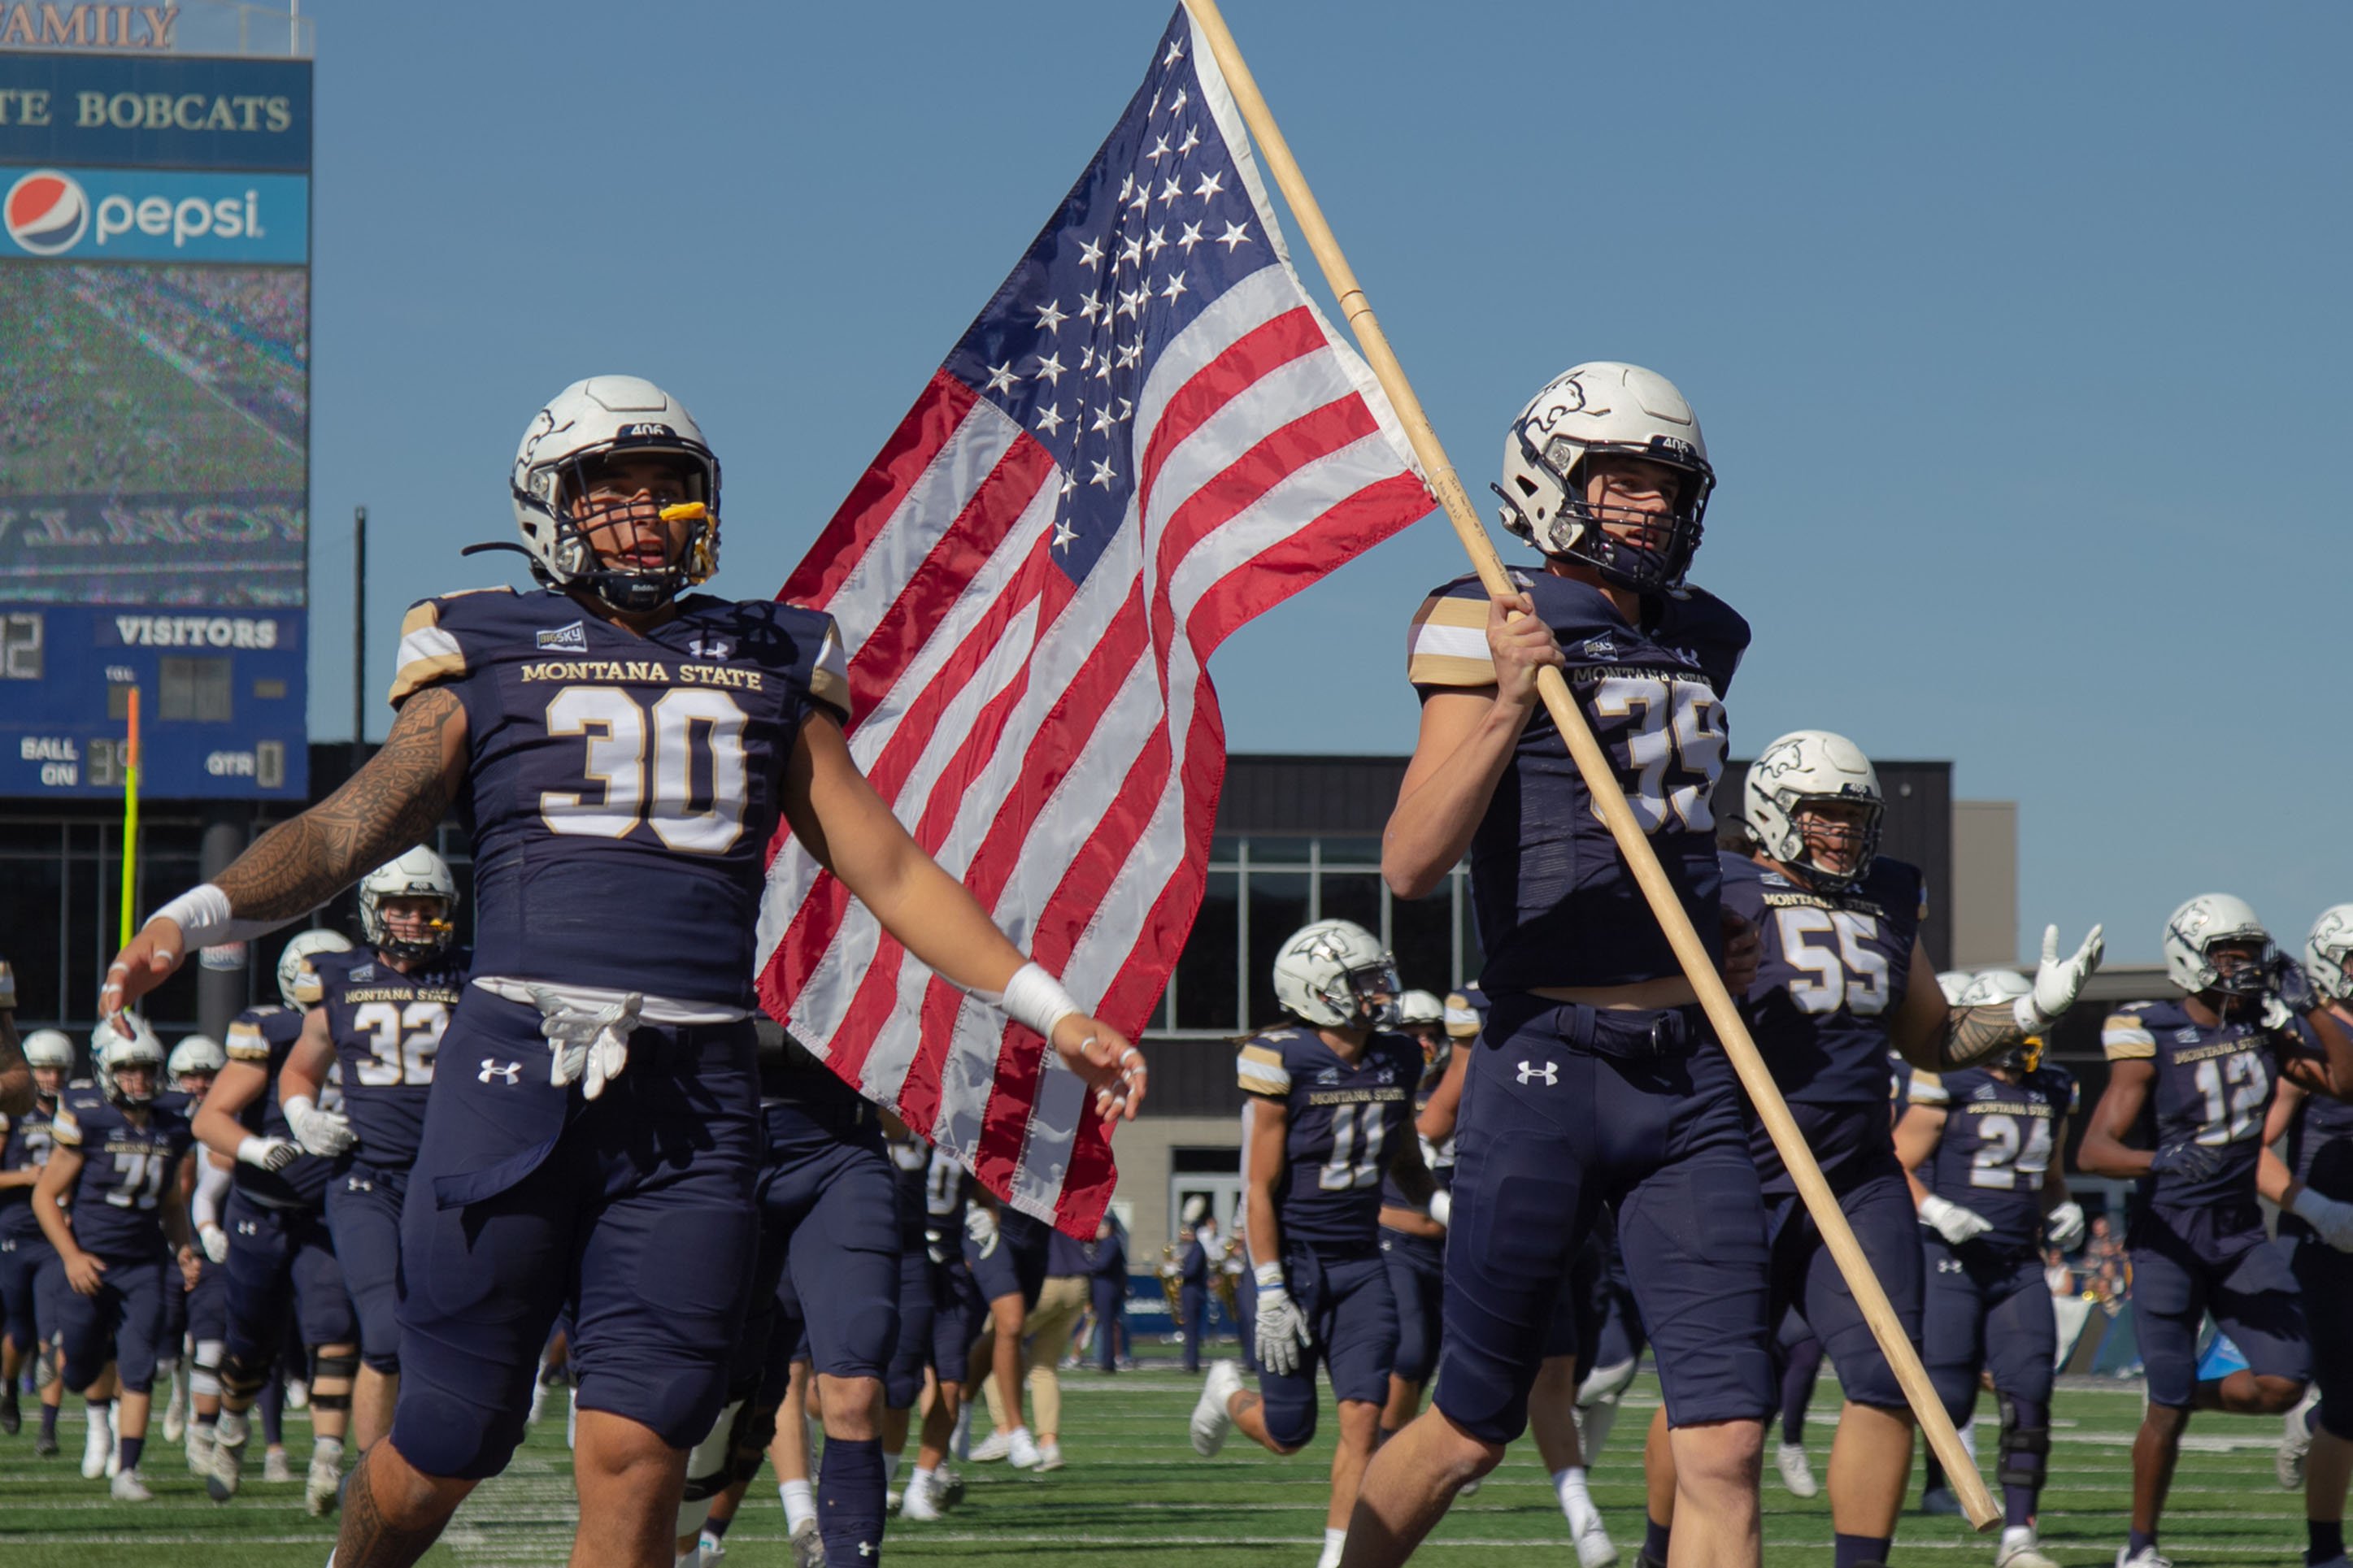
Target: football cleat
[(200, 1449), (44, 1445), (809, 1546), (322, 1484), (12, 1418), (176, 1415), (128, 1486), (98, 1445), (277, 1468), (1022, 1449), (922, 1503), (2296, 1442), (228, 1471), (1939, 1500), (1050, 1457), (1212, 1417), (991, 1448), (1796, 1475), (2020, 1550), (1594, 1547), (2145, 1557), (949, 1483)]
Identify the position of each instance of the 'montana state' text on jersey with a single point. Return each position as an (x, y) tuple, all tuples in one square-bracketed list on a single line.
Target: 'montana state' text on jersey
[(118, 1197), (2213, 1085), (1996, 1146), (1832, 976), (264, 1037), (386, 1027), (1556, 903), (1345, 1120), (624, 788), (25, 1147)]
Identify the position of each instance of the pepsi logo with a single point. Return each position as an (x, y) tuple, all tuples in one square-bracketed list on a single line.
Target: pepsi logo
[(46, 213)]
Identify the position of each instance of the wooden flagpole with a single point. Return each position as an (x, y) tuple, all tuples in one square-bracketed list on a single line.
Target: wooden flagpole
[(1602, 781)]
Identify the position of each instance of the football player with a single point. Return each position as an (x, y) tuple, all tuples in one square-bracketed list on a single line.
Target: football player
[(1332, 1101), (119, 1159), (1413, 1245), (1979, 1146), (1845, 977), (957, 1312), (1006, 1251), (281, 1258), (2209, 1061), (28, 1264), (190, 1309), (15, 1073), (375, 1020), (625, 751), (2315, 1187), (1594, 1078)]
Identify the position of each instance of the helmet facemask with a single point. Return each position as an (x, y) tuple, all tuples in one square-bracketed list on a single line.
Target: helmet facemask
[(561, 488), (2243, 965), (375, 925), (1577, 529), (1367, 996), (1827, 879)]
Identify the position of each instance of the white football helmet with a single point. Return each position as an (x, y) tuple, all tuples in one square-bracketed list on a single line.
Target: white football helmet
[(2328, 953), (602, 418), (418, 874), (112, 1050), (196, 1053), (1953, 982), (2190, 933), (1811, 765), (295, 964), (49, 1049), (2003, 988), (1604, 408), (1336, 974)]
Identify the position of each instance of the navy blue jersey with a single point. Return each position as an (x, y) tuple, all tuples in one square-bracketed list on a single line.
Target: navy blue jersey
[(1832, 975), (2320, 1152), (1998, 1141), (624, 789), (2214, 1087), (264, 1037), (1344, 1122), (125, 1170), (386, 1027), (945, 1195), (25, 1147), (1555, 904)]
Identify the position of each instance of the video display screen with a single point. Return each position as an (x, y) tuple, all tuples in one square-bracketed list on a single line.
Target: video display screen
[(153, 434)]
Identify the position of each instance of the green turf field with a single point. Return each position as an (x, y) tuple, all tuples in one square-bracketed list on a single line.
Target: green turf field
[(1134, 1489)]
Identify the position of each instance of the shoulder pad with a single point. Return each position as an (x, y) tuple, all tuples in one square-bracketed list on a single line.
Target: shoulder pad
[(246, 1042), (429, 651), (1446, 645), (66, 1127), (2127, 1035), (1928, 1089), (1260, 1068)]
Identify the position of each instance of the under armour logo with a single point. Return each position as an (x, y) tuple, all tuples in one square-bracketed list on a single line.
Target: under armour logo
[(354, 1184), (866, 1549), (1530, 1072), (248, 1228), (1948, 1265), (511, 1072)]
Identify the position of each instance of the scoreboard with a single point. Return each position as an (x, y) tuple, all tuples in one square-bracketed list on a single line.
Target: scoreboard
[(154, 422)]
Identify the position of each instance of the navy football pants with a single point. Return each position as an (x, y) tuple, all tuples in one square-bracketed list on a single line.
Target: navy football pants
[(2189, 1263)]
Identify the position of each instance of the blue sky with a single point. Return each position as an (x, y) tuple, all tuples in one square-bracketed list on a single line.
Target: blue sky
[(2017, 332)]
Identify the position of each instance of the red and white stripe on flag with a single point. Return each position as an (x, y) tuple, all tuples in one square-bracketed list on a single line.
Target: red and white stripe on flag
[(1031, 596)]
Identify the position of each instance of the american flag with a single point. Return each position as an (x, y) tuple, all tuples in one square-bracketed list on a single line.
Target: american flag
[(1149, 435)]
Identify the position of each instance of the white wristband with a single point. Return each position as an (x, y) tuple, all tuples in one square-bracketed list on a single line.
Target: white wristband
[(203, 915), (254, 1150), (1035, 998), (2312, 1208), (1268, 1275)]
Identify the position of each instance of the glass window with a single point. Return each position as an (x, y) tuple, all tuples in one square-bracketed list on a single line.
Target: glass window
[(1353, 896), (1278, 907), (1225, 848), (1206, 977), (1281, 852), (1421, 935)]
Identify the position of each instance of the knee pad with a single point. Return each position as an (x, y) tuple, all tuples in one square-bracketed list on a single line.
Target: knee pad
[(710, 1467), (1290, 1420), (241, 1378), (2025, 1442), (204, 1372), (1603, 1384), (329, 1366)]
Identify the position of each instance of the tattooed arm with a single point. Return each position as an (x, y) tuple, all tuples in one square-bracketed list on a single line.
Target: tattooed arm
[(391, 804), (1939, 1037)]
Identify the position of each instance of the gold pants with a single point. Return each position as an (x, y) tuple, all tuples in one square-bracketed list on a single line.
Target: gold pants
[(1061, 1305)]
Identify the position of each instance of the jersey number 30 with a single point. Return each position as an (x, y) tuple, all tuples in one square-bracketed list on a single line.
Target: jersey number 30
[(617, 729)]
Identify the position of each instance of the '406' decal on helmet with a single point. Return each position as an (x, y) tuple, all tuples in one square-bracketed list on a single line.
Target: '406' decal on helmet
[(1665, 724)]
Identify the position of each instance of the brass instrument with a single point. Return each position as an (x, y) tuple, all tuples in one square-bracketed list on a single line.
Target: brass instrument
[(1225, 1279), (1172, 1284)]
